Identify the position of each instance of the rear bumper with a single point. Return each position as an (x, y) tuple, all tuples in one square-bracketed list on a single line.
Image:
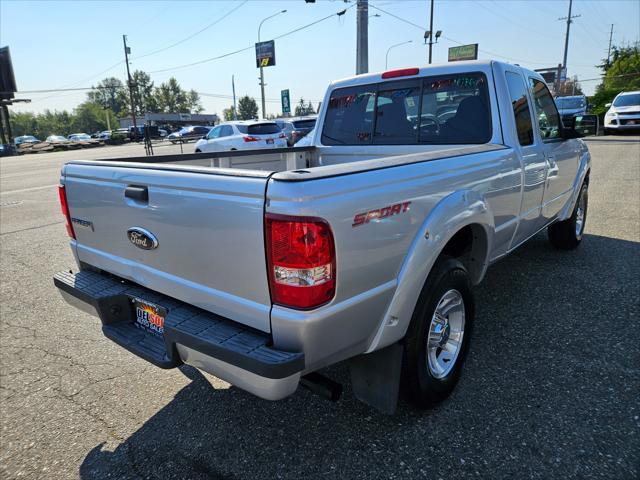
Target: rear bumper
[(229, 350)]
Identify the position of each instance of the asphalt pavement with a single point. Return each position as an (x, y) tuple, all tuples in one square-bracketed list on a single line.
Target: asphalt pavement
[(550, 389)]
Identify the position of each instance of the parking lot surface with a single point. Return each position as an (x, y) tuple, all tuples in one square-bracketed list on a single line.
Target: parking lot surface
[(550, 388)]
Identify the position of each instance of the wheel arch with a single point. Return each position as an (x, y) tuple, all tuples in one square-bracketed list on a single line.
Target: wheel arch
[(462, 223)]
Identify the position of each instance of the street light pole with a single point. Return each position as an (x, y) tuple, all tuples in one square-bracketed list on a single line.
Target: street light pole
[(386, 59), (431, 30), (264, 113)]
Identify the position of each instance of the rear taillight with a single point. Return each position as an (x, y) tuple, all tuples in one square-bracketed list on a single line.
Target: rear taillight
[(301, 261), (401, 72), (65, 210), (249, 138)]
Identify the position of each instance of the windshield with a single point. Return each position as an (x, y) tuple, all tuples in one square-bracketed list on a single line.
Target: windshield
[(259, 129), (570, 102), (627, 100)]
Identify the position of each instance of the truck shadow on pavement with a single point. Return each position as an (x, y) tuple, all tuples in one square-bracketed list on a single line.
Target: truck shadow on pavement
[(545, 386)]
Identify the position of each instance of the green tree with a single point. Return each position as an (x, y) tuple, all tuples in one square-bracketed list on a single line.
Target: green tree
[(622, 73), (227, 114), (23, 123), (193, 102), (90, 117), (111, 93), (247, 108), (143, 93)]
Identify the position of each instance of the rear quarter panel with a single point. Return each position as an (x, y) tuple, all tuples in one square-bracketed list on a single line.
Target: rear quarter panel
[(372, 256)]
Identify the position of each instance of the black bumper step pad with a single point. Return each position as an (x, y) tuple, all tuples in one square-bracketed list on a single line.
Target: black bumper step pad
[(203, 331)]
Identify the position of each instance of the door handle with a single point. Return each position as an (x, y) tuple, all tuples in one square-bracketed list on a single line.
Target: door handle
[(136, 192)]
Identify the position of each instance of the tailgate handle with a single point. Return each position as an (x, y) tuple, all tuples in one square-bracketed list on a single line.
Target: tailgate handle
[(136, 192)]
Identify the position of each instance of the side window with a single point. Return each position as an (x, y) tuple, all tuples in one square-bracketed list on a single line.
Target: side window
[(455, 110), (214, 133), (226, 131), (397, 116), (521, 112), (546, 111), (349, 117)]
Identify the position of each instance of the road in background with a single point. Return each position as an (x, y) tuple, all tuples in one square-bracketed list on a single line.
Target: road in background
[(550, 389)]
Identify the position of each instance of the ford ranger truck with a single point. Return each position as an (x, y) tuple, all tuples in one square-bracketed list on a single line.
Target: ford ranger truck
[(262, 268)]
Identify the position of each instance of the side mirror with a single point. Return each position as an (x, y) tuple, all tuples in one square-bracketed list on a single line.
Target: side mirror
[(586, 125), (607, 105)]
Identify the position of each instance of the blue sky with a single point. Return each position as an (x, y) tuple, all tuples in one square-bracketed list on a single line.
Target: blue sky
[(73, 44)]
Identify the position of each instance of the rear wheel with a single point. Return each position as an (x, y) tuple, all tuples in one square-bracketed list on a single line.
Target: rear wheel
[(438, 337), (567, 234)]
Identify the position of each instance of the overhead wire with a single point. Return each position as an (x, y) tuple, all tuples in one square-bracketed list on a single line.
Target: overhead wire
[(189, 37), (250, 47)]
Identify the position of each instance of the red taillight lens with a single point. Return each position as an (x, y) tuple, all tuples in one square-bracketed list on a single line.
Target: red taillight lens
[(65, 210), (301, 261), (249, 138)]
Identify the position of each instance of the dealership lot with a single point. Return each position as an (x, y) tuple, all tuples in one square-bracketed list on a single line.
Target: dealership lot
[(550, 388)]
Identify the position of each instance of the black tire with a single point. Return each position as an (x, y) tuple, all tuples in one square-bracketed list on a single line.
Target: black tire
[(421, 387), (566, 235), (198, 151)]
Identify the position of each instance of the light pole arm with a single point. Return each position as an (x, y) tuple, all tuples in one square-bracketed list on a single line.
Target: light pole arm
[(386, 59)]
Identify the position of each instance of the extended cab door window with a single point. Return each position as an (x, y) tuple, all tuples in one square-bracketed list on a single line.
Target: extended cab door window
[(521, 111), (546, 111)]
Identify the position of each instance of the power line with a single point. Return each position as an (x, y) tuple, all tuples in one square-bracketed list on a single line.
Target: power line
[(453, 40), (215, 22), (250, 47)]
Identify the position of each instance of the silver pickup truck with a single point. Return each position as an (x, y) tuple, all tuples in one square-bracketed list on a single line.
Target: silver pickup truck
[(263, 267)]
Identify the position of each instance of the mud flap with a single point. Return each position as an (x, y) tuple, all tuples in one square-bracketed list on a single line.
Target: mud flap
[(375, 377)]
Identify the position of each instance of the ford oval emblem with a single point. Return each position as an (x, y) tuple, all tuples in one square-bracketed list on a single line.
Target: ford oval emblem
[(142, 238)]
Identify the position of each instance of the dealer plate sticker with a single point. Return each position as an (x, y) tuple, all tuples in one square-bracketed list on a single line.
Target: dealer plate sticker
[(149, 317)]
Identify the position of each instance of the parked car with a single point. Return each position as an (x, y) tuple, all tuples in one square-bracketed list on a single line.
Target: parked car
[(23, 139), (242, 135), (365, 247), (187, 134), (571, 106), (57, 139), (80, 137), (163, 133), (623, 113), (296, 128)]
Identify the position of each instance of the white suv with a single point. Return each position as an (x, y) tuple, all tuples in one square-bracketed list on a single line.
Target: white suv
[(242, 135), (623, 113)]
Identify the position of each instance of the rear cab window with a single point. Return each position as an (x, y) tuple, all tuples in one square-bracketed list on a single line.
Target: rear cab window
[(446, 109)]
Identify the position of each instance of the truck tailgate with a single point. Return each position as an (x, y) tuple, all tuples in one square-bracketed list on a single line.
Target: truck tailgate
[(208, 227)]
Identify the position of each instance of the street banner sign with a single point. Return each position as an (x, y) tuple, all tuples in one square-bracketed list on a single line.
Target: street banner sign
[(286, 101), (265, 54), (463, 52)]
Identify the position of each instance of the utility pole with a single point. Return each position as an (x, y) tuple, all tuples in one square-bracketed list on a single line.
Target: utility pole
[(431, 30), (609, 49), (362, 40), (127, 51), (233, 87), (569, 20)]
